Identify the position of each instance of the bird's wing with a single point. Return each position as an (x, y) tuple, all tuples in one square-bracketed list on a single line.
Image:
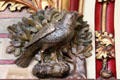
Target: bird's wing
[(42, 33)]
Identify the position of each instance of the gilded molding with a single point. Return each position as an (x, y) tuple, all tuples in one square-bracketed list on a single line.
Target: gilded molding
[(17, 5), (13, 6)]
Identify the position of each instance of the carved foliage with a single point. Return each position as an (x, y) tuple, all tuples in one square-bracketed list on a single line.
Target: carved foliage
[(13, 6), (105, 45), (32, 4)]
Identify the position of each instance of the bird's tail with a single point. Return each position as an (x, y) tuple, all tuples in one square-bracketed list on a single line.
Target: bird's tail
[(25, 59)]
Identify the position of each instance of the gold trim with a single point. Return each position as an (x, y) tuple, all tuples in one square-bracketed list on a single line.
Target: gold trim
[(13, 6), (32, 4), (81, 6), (104, 14), (60, 6), (65, 5)]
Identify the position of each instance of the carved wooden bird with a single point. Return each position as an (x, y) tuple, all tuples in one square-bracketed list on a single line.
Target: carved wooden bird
[(50, 36)]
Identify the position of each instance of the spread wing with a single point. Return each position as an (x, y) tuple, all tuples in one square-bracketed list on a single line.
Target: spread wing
[(42, 33)]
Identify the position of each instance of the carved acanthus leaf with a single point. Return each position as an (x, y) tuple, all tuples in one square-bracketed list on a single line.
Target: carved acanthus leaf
[(32, 4), (13, 6), (105, 45)]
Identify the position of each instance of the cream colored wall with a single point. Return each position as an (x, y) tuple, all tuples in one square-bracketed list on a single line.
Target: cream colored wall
[(117, 36), (89, 13)]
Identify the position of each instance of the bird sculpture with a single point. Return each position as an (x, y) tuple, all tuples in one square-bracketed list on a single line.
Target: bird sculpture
[(52, 35), (59, 40)]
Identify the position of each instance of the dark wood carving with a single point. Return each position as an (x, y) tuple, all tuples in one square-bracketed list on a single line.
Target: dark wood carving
[(59, 40)]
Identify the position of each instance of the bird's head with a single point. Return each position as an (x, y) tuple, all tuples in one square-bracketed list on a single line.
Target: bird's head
[(71, 18)]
